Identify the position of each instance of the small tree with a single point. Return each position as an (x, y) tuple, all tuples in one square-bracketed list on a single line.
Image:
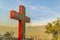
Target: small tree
[(53, 28)]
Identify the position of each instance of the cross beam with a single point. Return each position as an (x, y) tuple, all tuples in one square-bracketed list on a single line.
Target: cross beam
[(22, 19)]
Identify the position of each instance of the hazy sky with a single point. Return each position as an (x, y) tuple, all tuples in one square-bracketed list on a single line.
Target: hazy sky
[(40, 11)]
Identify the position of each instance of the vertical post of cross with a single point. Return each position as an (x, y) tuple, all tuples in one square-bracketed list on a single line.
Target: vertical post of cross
[(22, 23)]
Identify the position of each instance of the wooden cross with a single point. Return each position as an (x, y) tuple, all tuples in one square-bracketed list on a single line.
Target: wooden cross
[(22, 18)]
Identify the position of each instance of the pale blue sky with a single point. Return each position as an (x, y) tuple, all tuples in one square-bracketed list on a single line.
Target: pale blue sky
[(40, 11)]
